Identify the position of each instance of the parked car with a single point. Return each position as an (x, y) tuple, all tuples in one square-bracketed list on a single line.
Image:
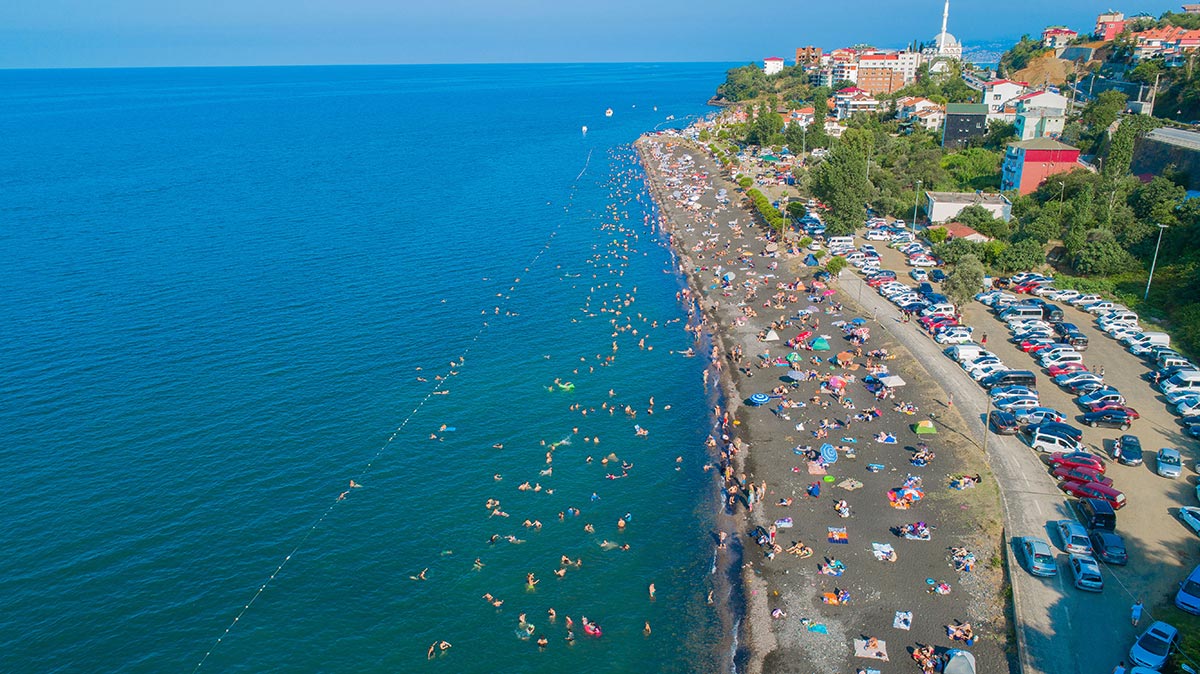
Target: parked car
[(1040, 415), (1080, 474), (1188, 597), (1003, 422), (1087, 573), (1065, 379), (1127, 450), (1065, 368), (1108, 419), (1017, 403), (1074, 538), (1106, 394), (1115, 407), (1169, 463), (1154, 646), (1115, 497), (1039, 558), (1077, 459), (1109, 547), (1060, 429), (1084, 386), (1190, 515), (937, 275)]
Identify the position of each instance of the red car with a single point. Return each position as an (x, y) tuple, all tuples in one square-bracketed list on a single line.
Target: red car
[(1069, 474), (930, 322), (878, 280), (1065, 368), (1033, 344), (1034, 349), (1115, 498), (1114, 407), (1028, 286), (1077, 460)]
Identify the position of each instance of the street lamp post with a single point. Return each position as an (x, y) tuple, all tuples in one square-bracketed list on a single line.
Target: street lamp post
[(1154, 262), (1062, 192), (916, 201)]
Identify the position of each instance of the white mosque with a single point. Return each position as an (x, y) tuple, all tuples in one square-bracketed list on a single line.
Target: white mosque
[(946, 46)]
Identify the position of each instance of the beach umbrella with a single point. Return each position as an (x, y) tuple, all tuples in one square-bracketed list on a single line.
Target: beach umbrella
[(829, 292), (729, 276), (818, 284), (829, 453), (795, 375), (925, 427), (845, 355), (757, 399), (894, 381), (859, 321), (772, 247), (804, 335), (837, 382)]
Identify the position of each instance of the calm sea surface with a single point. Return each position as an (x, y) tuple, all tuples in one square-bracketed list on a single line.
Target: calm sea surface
[(218, 290)]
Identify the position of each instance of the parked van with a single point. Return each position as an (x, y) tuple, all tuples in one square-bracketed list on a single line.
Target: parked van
[(1097, 514), (1148, 339), (840, 242), (1010, 378), (1021, 312), (1188, 380), (1172, 360), (1049, 443), (964, 352), (1051, 313)]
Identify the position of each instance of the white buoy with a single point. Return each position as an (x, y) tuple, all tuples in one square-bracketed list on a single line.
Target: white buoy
[(585, 128)]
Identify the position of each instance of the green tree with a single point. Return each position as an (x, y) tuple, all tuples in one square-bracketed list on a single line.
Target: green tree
[(743, 84), (1120, 150), (766, 127), (973, 168), (1156, 201), (796, 210), (937, 235), (1146, 71), (955, 249), (964, 280), (1103, 110), (999, 135), (981, 220), (1043, 229), (1101, 255), (1022, 256), (840, 181), (1020, 54), (835, 265)]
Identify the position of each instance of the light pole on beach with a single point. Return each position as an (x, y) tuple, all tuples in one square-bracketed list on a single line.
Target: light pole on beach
[(916, 201), (1154, 262)]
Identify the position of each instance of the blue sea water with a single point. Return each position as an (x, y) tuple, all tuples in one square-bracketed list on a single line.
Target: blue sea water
[(218, 290)]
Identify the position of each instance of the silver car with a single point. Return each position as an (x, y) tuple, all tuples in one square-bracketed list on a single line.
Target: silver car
[(1169, 463), (1074, 537), (1087, 573), (1039, 557)]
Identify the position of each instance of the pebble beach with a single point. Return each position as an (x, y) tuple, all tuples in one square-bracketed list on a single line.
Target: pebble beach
[(827, 583)]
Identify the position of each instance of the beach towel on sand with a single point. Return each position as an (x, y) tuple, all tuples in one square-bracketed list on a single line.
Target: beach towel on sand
[(878, 653), (815, 468), (882, 550), (850, 484), (903, 620), (838, 535)]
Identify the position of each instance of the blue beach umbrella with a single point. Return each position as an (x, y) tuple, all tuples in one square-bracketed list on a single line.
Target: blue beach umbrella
[(759, 399)]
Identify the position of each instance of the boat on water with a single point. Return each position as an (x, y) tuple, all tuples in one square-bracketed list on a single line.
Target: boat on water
[(670, 117), (608, 112), (585, 128)]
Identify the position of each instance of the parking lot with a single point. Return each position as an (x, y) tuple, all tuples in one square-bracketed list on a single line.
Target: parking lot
[(1060, 625)]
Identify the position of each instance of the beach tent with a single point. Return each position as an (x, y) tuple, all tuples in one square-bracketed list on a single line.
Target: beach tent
[(810, 260), (793, 357), (925, 427), (820, 344), (894, 381), (772, 336), (959, 662)]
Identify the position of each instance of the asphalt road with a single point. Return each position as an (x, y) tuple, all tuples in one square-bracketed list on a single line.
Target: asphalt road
[(1062, 629)]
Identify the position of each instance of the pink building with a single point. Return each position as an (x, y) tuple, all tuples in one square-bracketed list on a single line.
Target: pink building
[(1029, 163)]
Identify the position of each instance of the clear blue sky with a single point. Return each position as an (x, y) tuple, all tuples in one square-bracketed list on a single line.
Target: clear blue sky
[(102, 33)]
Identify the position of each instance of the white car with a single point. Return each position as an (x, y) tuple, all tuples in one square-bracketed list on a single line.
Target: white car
[(1097, 308), (923, 262), (980, 363), (1026, 324), (1187, 408), (953, 337), (1017, 403), (1045, 291), (1190, 515), (919, 275), (1120, 331), (1176, 397), (1064, 295), (876, 235), (1085, 299), (982, 372)]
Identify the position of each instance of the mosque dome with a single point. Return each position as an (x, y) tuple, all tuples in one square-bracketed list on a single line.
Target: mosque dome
[(951, 41)]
